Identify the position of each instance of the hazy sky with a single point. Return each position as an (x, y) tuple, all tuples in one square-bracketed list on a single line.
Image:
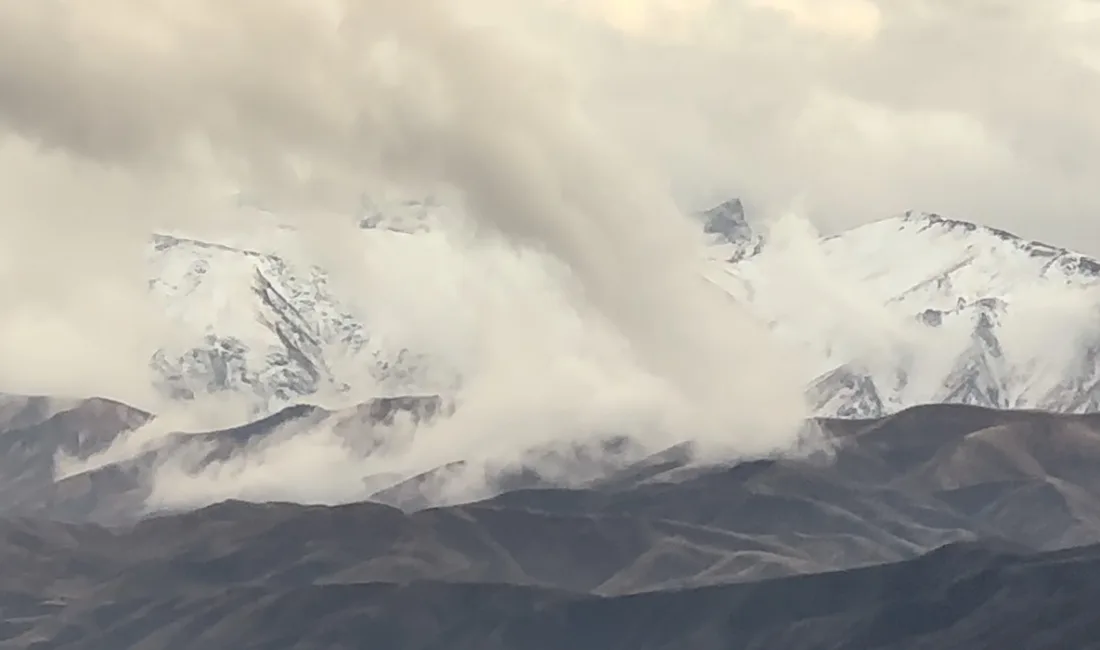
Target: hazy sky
[(847, 109), (855, 109)]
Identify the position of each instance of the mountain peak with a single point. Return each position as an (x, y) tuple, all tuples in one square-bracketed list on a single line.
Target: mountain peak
[(725, 223), (267, 324), (932, 219), (1069, 261), (727, 219)]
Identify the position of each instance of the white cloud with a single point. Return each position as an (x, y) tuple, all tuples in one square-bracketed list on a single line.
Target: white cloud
[(156, 109), (862, 108), (859, 20), (567, 127)]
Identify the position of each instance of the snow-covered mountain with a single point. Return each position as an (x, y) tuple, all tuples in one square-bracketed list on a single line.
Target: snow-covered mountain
[(919, 308), (262, 325), (911, 309)]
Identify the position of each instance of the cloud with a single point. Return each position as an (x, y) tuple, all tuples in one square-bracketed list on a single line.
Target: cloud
[(568, 129), (543, 376), (176, 104), (1050, 326), (862, 108), (646, 18), (684, 21), (858, 20)]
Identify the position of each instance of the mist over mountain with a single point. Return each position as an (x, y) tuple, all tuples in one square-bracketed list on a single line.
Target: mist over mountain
[(549, 324), (942, 489), (968, 318), (338, 454), (903, 488), (964, 523)]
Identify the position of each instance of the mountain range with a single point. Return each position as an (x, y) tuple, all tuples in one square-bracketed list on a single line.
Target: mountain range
[(913, 309), (947, 526), (946, 497), (919, 308)]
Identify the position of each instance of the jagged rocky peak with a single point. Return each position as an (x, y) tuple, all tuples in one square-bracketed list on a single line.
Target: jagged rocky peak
[(261, 321), (1069, 262), (931, 219), (846, 392), (727, 219), (263, 325), (726, 224)]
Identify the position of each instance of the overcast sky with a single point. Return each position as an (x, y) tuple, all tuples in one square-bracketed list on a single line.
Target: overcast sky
[(987, 110), (849, 110)]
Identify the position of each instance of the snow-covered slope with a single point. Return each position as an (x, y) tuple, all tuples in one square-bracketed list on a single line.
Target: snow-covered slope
[(264, 326), (928, 261), (911, 309), (919, 308)]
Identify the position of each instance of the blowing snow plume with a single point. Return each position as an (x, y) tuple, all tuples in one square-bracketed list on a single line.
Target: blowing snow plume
[(301, 100)]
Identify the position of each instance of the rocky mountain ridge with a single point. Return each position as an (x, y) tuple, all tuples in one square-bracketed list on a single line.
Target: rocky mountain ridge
[(912, 309)]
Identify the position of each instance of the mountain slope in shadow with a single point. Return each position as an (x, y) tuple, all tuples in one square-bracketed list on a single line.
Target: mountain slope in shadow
[(958, 596), (886, 490)]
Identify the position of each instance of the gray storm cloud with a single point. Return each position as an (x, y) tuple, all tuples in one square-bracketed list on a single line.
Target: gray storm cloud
[(301, 100)]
